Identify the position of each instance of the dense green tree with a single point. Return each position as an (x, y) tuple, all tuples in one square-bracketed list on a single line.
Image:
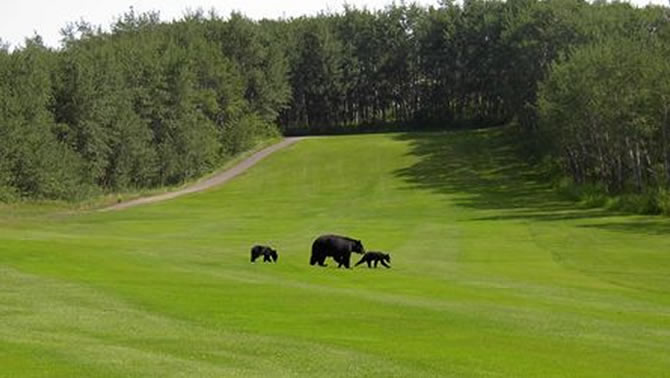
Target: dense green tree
[(33, 162), (315, 75), (606, 110), (151, 103)]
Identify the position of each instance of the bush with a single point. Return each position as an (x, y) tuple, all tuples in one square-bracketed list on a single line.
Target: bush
[(663, 201), (643, 203), (590, 195), (8, 194), (653, 202), (244, 133)]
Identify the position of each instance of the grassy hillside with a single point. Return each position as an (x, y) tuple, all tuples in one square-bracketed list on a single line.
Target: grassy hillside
[(492, 274)]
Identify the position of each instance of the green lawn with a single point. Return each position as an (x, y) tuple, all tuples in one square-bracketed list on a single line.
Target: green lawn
[(493, 275)]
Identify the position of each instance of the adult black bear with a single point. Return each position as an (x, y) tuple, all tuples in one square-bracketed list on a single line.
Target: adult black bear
[(337, 247), (269, 254), (377, 257)]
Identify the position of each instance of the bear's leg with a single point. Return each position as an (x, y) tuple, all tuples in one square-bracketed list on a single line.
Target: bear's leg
[(266, 258), (346, 259), (376, 262), (322, 261), (369, 263), (338, 260), (343, 260)]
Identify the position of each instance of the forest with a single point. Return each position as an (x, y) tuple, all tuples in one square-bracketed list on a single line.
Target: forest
[(146, 103)]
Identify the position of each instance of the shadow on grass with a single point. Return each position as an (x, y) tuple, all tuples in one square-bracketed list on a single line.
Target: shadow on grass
[(480, 170), (655, 226)]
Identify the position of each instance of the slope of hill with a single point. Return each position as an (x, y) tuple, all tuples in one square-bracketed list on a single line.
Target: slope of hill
[(492, 275)]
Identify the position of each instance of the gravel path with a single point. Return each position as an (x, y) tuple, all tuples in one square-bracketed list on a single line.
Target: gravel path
[(213, 181)]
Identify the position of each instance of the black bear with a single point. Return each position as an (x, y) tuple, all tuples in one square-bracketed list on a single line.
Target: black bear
[(337, 247), (269, 254), (375, 256)]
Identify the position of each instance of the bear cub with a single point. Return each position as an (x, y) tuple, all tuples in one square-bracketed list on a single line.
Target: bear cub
[(269, 254), (376, 257)]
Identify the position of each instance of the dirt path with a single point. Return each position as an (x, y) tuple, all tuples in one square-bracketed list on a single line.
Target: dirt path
[(213, 181)]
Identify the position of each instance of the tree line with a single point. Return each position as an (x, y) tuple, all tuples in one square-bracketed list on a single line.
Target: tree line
[(145, 105), (149, 103)]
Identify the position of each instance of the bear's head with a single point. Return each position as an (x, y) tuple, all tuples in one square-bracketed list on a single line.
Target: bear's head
[(357, 247), (273, 254)]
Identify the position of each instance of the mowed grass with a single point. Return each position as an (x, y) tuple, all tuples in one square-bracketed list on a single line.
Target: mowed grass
[(492, 274)]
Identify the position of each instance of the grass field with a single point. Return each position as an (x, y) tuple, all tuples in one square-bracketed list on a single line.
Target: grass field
[(492, 274)]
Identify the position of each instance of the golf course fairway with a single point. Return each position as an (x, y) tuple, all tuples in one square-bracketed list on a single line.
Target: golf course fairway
[(492, 274)]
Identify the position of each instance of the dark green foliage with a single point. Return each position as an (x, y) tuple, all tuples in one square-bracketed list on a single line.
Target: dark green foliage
[(315, 75), (32, 160), (152, 103), (149, 104), (606, 112)]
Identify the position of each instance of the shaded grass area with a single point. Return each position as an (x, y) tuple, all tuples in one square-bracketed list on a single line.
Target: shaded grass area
[(493, 275), (482, 168)]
